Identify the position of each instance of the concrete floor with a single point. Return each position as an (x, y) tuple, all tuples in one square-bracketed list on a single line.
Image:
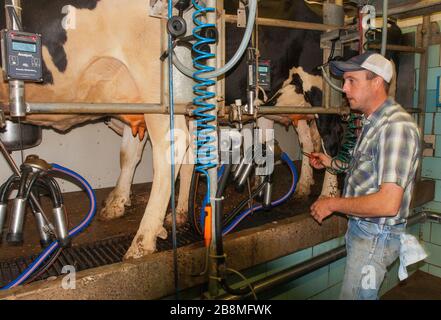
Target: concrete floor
[(419, 286)]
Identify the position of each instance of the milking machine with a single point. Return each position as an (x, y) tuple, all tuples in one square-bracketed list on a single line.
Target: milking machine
[(35, 178), (202, 41)]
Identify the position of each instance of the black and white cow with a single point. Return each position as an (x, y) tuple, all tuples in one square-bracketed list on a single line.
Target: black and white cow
[(107, 51), (295, 55)]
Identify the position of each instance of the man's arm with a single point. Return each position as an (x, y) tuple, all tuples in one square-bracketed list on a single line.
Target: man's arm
[(384, 203)]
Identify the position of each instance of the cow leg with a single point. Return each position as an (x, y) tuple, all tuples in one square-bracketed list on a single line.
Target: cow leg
[(151, 225), (130, 155), (330, 183), (330, 186), (184, 191), (306, 174)]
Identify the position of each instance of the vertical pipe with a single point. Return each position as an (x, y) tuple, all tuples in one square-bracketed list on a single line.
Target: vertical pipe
[(16, 87), (384, 32), (424, 61), (213, 285), (333, 14)]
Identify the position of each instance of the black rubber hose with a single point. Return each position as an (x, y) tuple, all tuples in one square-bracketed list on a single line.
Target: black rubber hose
[(219, 204), (5, 188), (54, 190), (23, 184), (192, 201), (220, 261), (238, 209), (29, 187)]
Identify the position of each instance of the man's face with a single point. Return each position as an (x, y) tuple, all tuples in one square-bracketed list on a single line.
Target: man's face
[(358, 89)]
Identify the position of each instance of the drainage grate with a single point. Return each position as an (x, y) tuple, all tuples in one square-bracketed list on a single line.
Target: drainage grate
[(89, 256)]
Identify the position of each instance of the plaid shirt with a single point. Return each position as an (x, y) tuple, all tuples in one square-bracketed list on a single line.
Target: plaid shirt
[(386, 151)]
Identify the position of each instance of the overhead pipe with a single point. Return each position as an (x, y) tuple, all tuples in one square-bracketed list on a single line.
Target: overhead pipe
[(411, 7), (288, 24), (399, 48), (138, 108), (181, 109), (384, 33), (304, 268)]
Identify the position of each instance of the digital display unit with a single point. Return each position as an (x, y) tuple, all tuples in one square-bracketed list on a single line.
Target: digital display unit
[(24, 46), (21, 56)]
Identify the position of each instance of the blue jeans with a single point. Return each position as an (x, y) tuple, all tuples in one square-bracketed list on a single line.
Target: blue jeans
[(371, 248)]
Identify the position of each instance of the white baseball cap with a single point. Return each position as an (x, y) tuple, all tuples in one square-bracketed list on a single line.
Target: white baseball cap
[(369, 60)]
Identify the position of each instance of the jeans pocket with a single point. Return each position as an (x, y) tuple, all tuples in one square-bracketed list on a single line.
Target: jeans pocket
[(367, 230), (391, 249)]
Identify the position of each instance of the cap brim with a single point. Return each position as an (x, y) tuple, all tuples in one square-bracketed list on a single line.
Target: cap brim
[(339, 67)]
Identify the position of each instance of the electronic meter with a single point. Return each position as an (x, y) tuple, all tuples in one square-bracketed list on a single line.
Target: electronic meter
[(264, 74), (21, 56)]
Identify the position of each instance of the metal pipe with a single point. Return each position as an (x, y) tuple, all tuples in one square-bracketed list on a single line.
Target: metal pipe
[(293, 273), (410, 7), (393, 47), (384, 32), (424, 63), (3, 213), (303, 110), (212, 172), (15, 235), (16, 87), (287, 24), (117, 108), (333, 14), (433, 216), (61, 226), (311, 265), (97, 108)]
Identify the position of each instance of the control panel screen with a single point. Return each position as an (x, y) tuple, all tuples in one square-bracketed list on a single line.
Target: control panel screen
[(24, 46), (263, 69)]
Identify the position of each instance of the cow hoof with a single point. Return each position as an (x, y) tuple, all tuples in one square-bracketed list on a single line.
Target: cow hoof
[(181, 219), (114, 208), (138, 249), (302, 194)]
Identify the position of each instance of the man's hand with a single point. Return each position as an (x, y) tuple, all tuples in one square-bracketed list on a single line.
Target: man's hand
[(322, 208), (319, 160)]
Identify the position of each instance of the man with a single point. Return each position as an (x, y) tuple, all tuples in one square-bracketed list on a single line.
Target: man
[(379, 179)]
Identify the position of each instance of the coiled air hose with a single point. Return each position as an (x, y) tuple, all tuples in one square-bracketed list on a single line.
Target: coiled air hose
[(237, 56), (204, 131), (340, 163)]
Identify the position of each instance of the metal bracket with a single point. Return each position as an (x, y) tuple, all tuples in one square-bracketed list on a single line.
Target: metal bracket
[(429, 146), (2, 119), (241, 16)]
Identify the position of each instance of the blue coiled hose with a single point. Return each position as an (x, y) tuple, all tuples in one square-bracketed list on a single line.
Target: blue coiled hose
[(206, 151), (72, 233)]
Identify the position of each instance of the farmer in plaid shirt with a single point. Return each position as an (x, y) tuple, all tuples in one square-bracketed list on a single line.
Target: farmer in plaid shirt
[(379, 178)]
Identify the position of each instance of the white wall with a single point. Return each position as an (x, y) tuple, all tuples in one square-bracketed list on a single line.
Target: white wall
[(91, 150), (288, 141)]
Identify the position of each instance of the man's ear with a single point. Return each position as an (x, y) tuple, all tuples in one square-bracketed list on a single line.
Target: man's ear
[(378, 81)]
